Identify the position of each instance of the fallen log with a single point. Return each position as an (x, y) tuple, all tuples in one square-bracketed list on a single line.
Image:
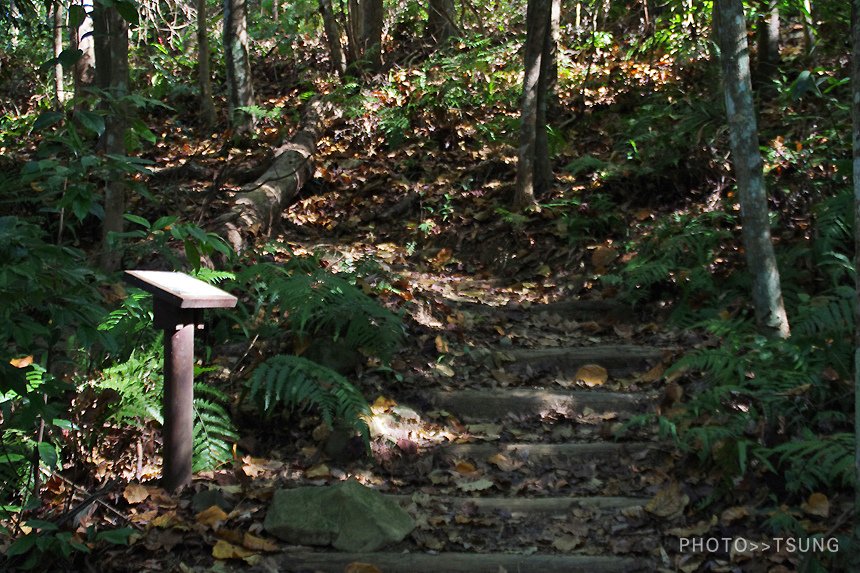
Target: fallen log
[(258, 206)]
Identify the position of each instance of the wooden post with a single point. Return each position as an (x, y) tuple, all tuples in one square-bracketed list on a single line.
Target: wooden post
[(178, 300)]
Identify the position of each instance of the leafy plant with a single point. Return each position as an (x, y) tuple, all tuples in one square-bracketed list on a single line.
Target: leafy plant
[(294, 382)]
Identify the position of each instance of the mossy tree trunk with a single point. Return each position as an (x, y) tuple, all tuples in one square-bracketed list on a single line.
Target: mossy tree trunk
[(58, 14), (204, 79), (240, 88), (110, 37), (747, 162), (81, 38)]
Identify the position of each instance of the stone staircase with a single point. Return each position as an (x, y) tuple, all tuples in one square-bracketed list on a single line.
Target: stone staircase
[(572, 499)]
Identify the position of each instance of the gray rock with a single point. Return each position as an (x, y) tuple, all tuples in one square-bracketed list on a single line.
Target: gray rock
[(347, 516)]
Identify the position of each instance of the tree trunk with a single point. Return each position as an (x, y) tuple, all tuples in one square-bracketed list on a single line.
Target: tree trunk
[(81, 37), (257, 208), (240, 89), (365, 33), (332, 36), (808, 27), (855, 112), (768, 47), (553, 39), (440, 21), (207, 106), (531, 167), (747, 161), (59, 23), (110, 35)]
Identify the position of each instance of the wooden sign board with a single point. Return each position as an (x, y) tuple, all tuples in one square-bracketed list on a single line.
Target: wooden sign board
[(180, 290)]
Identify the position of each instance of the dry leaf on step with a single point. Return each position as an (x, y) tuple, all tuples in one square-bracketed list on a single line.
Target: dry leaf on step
[(592, 375)]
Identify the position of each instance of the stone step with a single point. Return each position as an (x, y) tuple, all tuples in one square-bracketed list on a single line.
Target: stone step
[(561, 452), (527, 505), (491, 404), (301, 561), (619, 360), (576, 309)]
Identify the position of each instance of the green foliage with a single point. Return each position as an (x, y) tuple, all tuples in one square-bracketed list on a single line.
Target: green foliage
[(320, 304), (294, 382), (214, 432), (684, 254), (160, 236)]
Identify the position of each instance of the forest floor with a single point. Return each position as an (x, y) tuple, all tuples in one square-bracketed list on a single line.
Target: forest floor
[(502, 425)]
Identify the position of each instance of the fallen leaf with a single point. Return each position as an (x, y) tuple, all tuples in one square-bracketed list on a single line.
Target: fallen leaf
[(211, 517), (654, 374), (602, 257), (477, 485), (135, 493), (164, 520), (382, 404), (465, 468), (226, 550), (358, 567), (255, 543), (441, 344), (732, 514), (504, 463), (567, 543), (669, 502), (318, 471), (444, 369), (817, 505), (22, 362), (442, 257), (592, 375), (486, 431), (503, 377)]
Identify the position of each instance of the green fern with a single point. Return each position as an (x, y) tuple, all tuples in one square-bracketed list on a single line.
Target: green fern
[(294, 382), (827, 315), (815, 462), (214, 432)]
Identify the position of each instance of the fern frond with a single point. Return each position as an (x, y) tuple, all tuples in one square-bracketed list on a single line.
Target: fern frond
[(214, 432), (831, 315), (294, 382)]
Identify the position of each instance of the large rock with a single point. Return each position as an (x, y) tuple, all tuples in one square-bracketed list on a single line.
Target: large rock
[(347, 516)]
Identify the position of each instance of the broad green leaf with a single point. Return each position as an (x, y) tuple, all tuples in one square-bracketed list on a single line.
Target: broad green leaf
[(92, 121), (139, 220), (48, 454), (47, 119), (69, 57), (128, 10), (115, 536), (77, 15)]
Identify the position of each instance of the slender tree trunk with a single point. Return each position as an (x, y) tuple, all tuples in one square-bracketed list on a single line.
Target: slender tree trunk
[(531, 166), (553, 39), (81, 37), (365, 33), (207, 106), (747, 161), (808, 27), (440, 20), (240, 89), (332, 36), (59, 16), (110, 34), (768, 47), (855, 112)]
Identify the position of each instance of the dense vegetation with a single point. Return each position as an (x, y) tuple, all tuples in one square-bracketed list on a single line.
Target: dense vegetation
[(419, 155)]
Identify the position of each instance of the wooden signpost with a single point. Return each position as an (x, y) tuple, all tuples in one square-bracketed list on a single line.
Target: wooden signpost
[(178, 301)]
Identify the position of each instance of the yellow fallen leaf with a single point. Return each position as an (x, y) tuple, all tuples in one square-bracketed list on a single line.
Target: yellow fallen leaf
[(22, 362), (592, 375), (465, 468), (135, 493), (164, 520), (212, 516), (318, 471), (225, 550), (444, 369), (654, 374), (733, 514), (504, 463), (255, 543), (441, 344), (817, 505), (382, 404), (358, 567)]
